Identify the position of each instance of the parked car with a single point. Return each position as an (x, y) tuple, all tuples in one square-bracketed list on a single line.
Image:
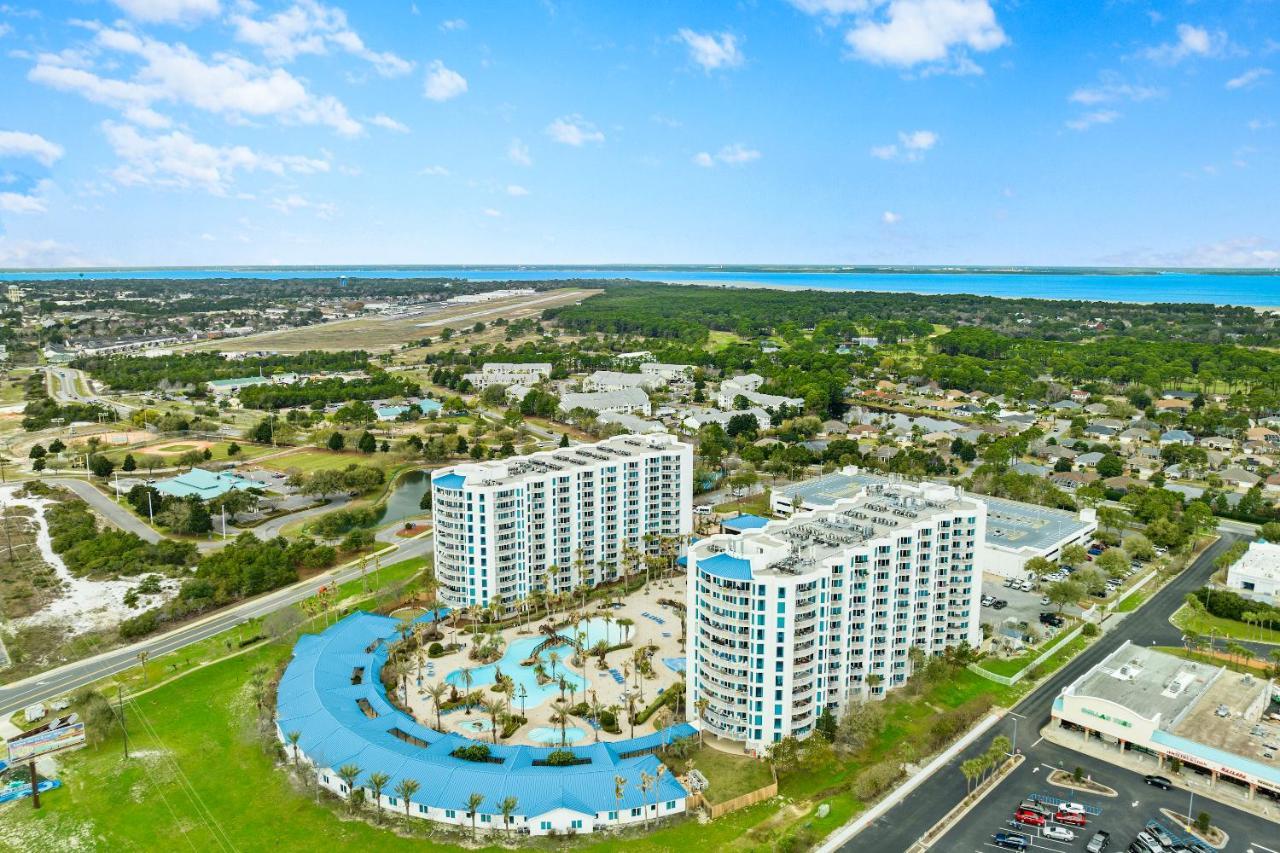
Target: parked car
[(1011, 840), (1072, 818), (1071, 807), (1044, 601), (1029, 817), (1160, 782), (1100, 841), (999, 604), (1160, 835), (1059, 833), (988, 600), (1034, 806)]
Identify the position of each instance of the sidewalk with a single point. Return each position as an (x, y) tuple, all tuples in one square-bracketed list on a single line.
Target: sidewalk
[(1139, 762)]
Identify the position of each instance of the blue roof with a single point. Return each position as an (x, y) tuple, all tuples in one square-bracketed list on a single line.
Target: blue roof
[(317, 699), (204, 484), (744, 522), (429, 406), (449, 481), (725, 566)]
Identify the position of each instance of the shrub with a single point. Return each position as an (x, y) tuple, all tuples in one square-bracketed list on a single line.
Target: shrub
[(140, 625), (435, 650), (1089, 629), (1202, 821), (876, 779), (561, 758), (472, 752)]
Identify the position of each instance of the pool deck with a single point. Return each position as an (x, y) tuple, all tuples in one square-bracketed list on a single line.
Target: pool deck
[(600, 683)]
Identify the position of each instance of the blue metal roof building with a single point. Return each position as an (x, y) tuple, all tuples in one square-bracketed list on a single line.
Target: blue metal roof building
[(204, 484), (332, 695)]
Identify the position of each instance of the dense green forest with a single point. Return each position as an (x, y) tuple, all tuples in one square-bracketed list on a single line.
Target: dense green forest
[(380, 385), (139, 373), (687, 312), (109, 553)]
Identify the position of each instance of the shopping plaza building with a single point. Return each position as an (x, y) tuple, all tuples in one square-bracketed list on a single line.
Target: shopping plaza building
[(557, 519), (1219, 724), (821, 609)]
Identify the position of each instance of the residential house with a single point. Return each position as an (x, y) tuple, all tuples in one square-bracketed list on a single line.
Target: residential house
[(1177, 436)]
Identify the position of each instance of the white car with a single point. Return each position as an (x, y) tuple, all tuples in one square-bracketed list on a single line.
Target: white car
[(702, 509), (1059, 833), (1074, 808)]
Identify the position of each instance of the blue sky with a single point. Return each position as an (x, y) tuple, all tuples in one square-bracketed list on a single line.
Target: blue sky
[(775, 131)]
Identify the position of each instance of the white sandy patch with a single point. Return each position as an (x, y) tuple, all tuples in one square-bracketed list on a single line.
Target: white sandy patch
[(84, 604)]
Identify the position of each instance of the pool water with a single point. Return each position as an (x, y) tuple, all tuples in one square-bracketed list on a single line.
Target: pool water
[(550, 735), (523, 676)]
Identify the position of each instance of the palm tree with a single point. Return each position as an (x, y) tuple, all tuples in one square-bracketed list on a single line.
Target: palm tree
[(554, 657), (349, 773), (467, 679), (646, 784), (562, 711), (701, 707), (293, 737), (597, 708), (507, 806), (473, 803), (625, 623), (405, 789), (492, 707), (619, 788), (437, 693), (377, 781)]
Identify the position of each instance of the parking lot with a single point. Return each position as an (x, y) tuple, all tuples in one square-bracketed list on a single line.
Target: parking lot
[(1123, 816)]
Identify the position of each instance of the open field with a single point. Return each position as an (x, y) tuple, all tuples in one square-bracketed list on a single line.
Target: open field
[(27, 582), (311, 459), (728, 775), (169, 451), (379, 334)]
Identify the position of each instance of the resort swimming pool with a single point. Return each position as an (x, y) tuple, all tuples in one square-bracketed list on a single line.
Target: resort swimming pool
[(550, 735), (523, 676)]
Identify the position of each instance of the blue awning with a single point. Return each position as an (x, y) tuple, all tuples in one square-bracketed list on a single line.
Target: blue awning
[(725, 566), (449, 481)]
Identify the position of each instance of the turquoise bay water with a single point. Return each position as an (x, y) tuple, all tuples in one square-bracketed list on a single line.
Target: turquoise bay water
[(1113, 286), (518, 650)]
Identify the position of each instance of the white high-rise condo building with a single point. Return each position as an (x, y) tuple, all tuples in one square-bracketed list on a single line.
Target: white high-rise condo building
[(559, 518), (822, 609)]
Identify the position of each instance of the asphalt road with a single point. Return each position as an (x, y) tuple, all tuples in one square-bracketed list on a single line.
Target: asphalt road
[(1123, 816), (112, 511), (900, 827), (64, 679), (64, 384)]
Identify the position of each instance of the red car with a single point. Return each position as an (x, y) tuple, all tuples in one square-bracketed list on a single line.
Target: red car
[(1072, 818), (1028, 817)]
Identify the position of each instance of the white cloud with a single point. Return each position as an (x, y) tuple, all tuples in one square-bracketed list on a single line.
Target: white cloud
[(39, 253), (229, 86), (833, 8), (292, 202), (453, 25), (1260, 123), (1112, 88), (176, 159), (169, 11), (386, 122), (934, 32), (574, 130), (910, 147), (11, 202), (711, 50), (736, 154), (17, 143), (890, 218), (518, 153), (1240, 252), (310, 27), (516, 190), (435, 171), (1248, 78), (1192, 42), (1088, 120), (493, 212), (443, 83), (5, 29)]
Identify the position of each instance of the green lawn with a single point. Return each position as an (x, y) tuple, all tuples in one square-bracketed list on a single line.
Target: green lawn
[(750, 505), (1133, 600), (1208, 625), (1236, 665), (311, 459), (728, 775), (173, 451)]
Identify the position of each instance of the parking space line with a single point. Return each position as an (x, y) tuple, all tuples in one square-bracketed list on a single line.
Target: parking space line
[(1258, 846)]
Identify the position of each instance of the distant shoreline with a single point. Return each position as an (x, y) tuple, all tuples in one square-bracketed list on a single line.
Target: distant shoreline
[(1244, 288)]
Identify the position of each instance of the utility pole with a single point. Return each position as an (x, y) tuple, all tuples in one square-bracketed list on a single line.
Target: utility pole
[(123, 728), (35, 784)]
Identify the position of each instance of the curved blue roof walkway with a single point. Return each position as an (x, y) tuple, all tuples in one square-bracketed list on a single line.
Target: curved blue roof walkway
[(331, 694)]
